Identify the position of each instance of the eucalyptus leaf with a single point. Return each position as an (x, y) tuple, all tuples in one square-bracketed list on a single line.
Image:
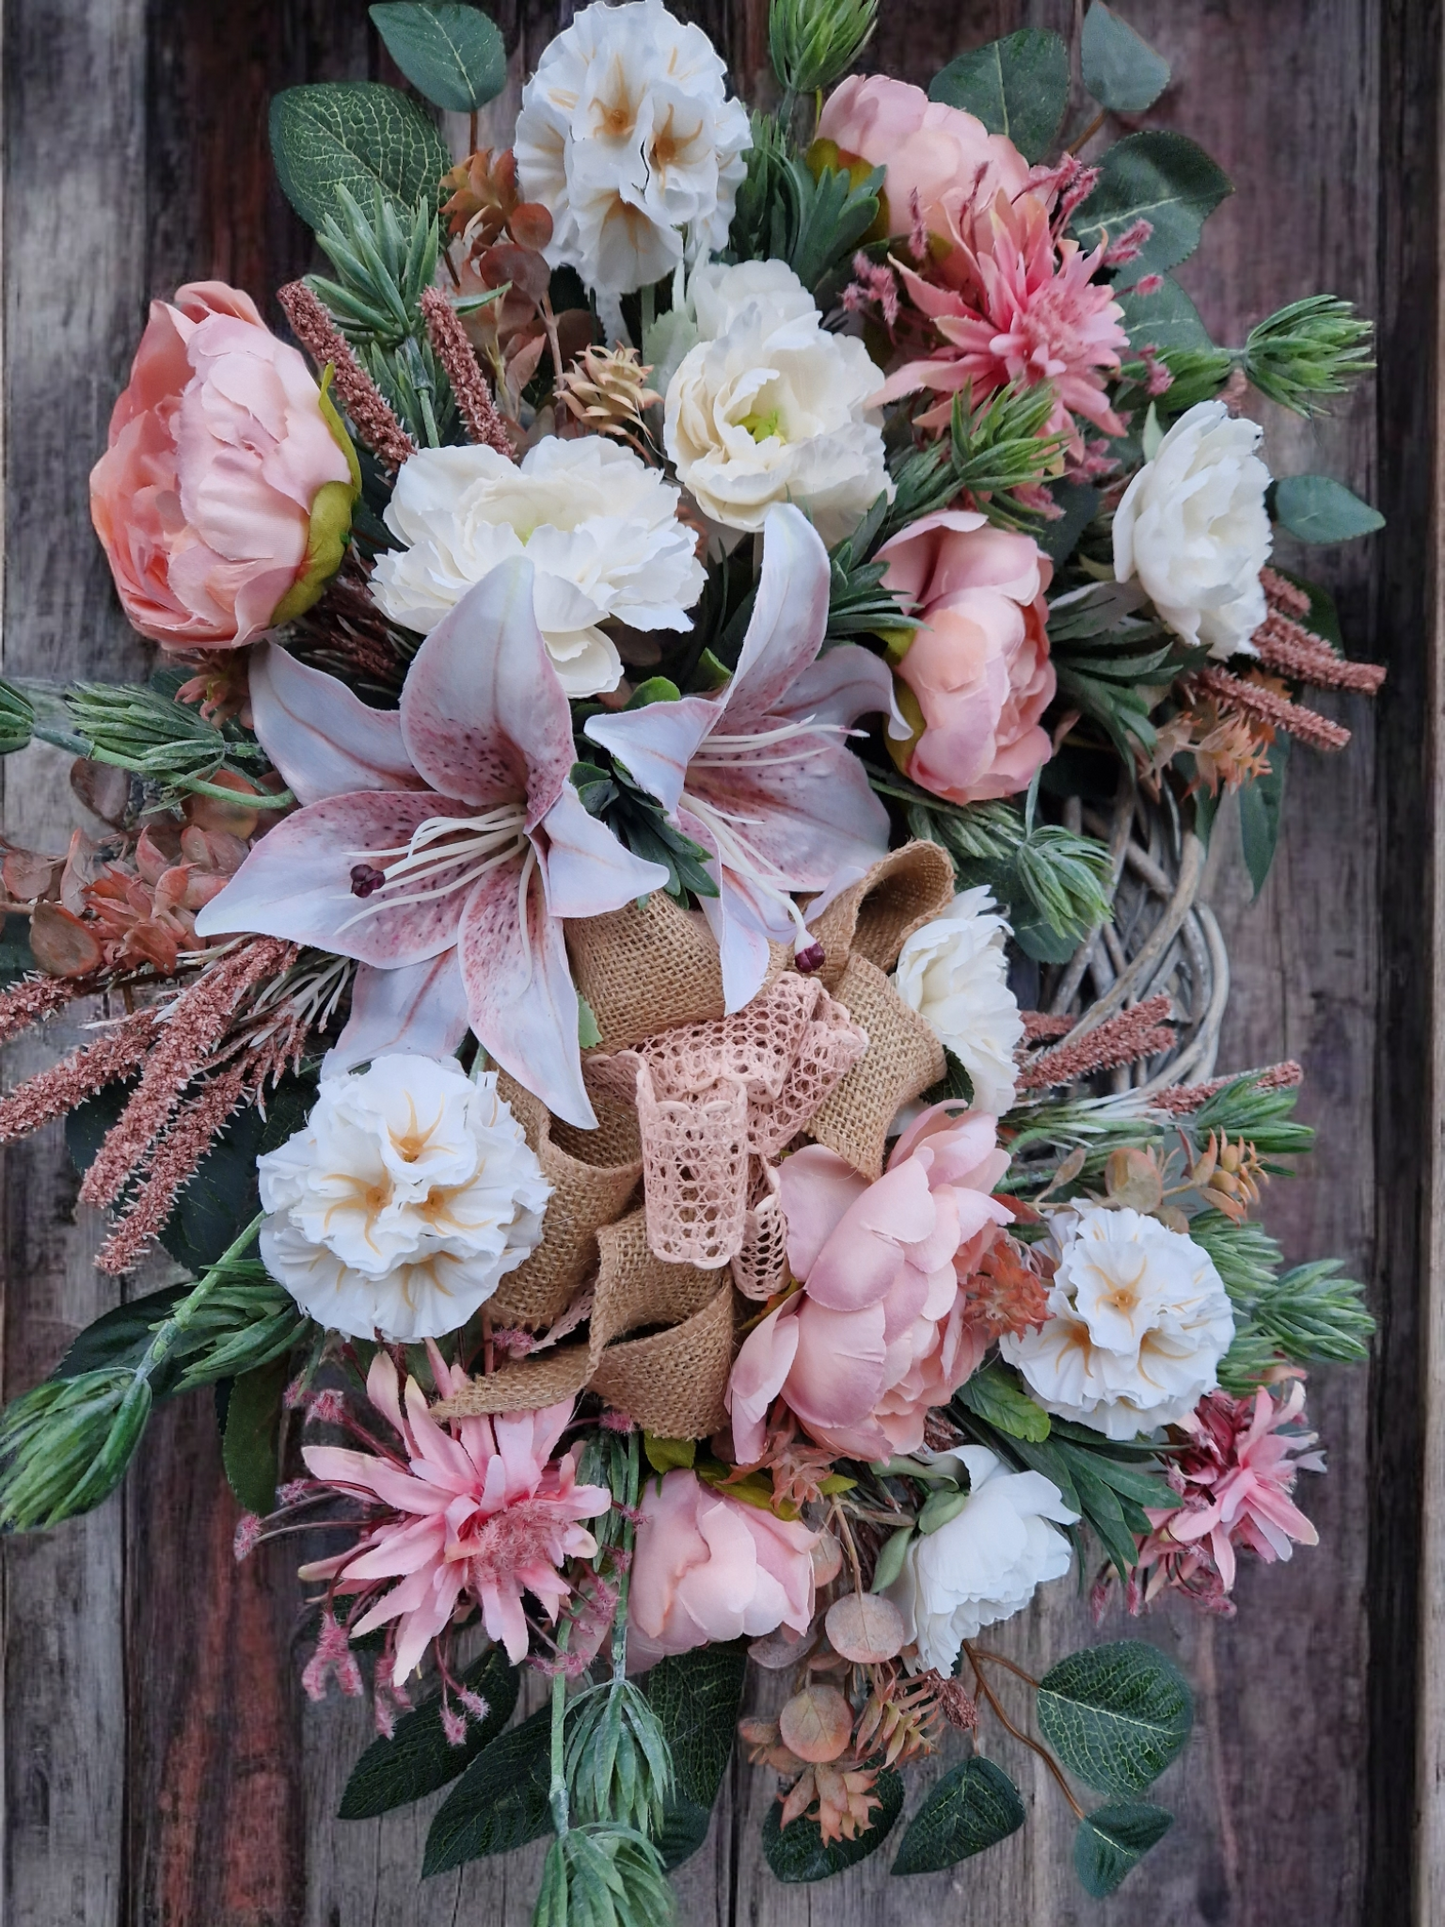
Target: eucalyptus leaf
[(797, 1853), (1116, 1715), (972, 1808), (1163, 319), (1161, 178), (1120, 70), (1316, 508), (1111, 1842), (499, 1803), (358, 135), (453, 54), (1018, 86), (419, 1758)]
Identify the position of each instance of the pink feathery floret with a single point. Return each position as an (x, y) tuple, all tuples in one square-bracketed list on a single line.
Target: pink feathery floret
[(473, 1515), (1011, 302)]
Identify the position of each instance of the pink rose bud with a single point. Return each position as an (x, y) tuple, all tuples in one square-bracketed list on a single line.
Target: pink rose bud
[(224, 498)]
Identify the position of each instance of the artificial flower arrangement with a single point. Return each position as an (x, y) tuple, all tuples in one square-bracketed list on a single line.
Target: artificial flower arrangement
[(642, 937)]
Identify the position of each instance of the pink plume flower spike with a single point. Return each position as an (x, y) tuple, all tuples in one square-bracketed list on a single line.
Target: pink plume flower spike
[(762, 777), (461, 830)]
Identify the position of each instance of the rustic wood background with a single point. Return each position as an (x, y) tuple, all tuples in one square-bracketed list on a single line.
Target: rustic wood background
[(160, 1763)]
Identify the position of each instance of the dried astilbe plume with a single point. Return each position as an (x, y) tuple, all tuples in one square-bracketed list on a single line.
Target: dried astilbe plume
[(1140, 1031), (606, 390)]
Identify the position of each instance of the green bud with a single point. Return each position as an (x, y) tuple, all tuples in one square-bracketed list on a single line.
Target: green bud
[(813, 42), (1313, 347)]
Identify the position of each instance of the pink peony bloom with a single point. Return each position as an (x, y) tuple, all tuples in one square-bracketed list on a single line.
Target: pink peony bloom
[(978, 672), (224, 497), (880, 1331), (1012, 302), (471, 1517), (708, 1567), (940, 154)]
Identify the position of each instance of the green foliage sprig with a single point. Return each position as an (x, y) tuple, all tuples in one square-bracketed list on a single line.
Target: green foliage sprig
[(813, 42), (785, 213), (993, 450)]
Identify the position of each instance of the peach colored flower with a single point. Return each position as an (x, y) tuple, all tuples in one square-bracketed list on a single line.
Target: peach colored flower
[(224, 498), (881, 1330), (469, 1517), (708, 1567), (977, 677), (940, 154)]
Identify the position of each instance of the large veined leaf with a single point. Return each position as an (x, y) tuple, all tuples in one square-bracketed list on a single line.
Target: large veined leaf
[(1165, 319), (1161, 178), (1112, 1842), (451, 53), (1017, 86), (696, 1697), (249, 1444), (996, 1396), (1116, 1715), (1120, 70), (796, 1853), (499, 1803), (1316, 508), (418, 1758), (973, 1807), (358, 135)]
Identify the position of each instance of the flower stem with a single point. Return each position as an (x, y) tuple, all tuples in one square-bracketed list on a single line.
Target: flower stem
[(987, 1692), (557, 1793)]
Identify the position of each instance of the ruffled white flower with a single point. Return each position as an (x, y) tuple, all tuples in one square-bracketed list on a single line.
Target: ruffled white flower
[(986, 1562), (402, 1203), (627, 137), (1138, 1322), (598, 525), (769, 407), (1193, 527), (954, 973)]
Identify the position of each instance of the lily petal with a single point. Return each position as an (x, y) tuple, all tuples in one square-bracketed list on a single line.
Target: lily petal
[(421, 1009), (790, 614), (839, 687), (587, 870), (656, 743), (322, 738)]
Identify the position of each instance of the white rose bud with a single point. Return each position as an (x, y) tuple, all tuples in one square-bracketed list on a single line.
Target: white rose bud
[(954, 973), (1193, 528)]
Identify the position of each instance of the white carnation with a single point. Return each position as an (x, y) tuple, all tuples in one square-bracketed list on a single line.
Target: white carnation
[(1192, 526), (1138, 1322), (599, 526), (400, 1206), (985, 1563), (627, 137), (954, 973), (769, 407)]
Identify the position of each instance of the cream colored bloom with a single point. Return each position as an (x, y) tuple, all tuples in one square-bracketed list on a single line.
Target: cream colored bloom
[(1138, 1322), (954, 973), (1193, 527), (404, 1200), (769, 407), (627, 137), (986, 1563), (598, 525)]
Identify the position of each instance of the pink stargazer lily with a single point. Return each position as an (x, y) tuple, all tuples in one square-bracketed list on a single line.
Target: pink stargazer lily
[(441, 843), (761, 777)]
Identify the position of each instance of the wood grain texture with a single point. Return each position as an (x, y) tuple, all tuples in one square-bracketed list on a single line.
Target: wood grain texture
[(161, 1766)]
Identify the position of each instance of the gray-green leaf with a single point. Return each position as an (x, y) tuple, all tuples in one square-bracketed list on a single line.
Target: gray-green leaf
[(1165, 319), (796, 1853), (1261, 807), (974, 1806), (1112, 1842), (1120, 70), (1017, 86), (1116, 1715), (358, 135), (419, 1758), (1316, 508), (1160, 178), (453, 54)]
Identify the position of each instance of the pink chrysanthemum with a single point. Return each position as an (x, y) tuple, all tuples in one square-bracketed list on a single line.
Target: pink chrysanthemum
[(1235, 1482), (1012, 302), (473, 1516)]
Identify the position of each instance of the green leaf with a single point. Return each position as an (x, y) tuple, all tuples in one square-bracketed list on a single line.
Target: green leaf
[(973, 1807), (995, 1395), (499, 1803), (696, 1697), (1165, 319), (1160, 178), (357, 135), (889, 1562), (1017, 86), (684, 1828), (1261, 809), (667, 1455), (1316, 508), (1116, 1715), (796, 1853), (1120, 70), (1112, 1842), (452, 54), (253, 1426), (120, 1338), (1079, 503), (419, 1758)]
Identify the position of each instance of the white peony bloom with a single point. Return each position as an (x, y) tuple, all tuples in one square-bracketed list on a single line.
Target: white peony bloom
[(627, 137), (1192, 526), (599, 526), (1138, 1322), (954, 973), (769, 407), (985, 1563), (400, 1206)]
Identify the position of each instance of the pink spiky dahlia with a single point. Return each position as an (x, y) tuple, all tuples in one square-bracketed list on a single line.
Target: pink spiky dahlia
[(469, 1517)]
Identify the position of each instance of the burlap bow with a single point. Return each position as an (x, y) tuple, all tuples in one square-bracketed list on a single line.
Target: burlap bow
[(650, 969)]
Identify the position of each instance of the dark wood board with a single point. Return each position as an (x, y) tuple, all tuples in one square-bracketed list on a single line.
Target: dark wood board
[(161, 1764)]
